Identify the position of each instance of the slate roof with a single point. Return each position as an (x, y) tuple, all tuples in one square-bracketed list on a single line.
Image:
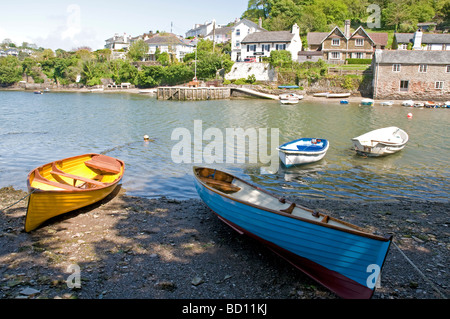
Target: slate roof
[(268, 37), (316, 38), (427, 38), (222, 30), (250, 24), (165, 39), (412, 57)]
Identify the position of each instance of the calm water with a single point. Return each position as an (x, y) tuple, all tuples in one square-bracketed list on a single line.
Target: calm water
[(37, 129)]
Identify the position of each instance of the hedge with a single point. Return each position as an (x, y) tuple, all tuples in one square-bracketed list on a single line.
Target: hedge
[(359, 61)]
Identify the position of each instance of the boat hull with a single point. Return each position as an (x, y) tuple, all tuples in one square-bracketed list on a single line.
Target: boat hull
[(307, 153), (380, 142), (48, 199), (338, 259)]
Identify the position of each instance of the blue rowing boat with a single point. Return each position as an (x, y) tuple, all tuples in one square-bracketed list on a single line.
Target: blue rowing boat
[(340, 256), (303, 151)]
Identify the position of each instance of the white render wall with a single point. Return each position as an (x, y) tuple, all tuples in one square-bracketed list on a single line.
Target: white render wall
[(261, 71)]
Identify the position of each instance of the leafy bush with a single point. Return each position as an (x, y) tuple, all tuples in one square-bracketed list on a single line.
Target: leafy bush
[(359, 61)]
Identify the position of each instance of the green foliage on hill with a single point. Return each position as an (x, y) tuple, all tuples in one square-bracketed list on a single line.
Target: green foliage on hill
[(90, 68), (321, 15)]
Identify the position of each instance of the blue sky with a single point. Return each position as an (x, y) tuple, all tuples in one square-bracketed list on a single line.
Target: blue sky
[(71, 24)]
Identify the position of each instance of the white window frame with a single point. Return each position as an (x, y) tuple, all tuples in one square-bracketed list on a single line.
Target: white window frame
[(447, 69), (423, 68), (407, 85), (359, 55), (396, 67), (439, 85), (338, 42), (361, 44), (335, 53)]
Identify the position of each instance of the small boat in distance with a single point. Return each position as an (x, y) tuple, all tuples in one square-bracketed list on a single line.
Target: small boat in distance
[(303, 151), (408, 103), (69, 184), (344, 101), (387, 103), (368, 102), (380, 142), (338, 95), (323, 94), (290, 98), (288, 86), (337, 254)]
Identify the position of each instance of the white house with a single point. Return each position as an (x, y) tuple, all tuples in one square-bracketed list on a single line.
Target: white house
[(259, 44), (201, 30), (422, 41), (220, 34), (170, 43), (242, 29), (118, 42)]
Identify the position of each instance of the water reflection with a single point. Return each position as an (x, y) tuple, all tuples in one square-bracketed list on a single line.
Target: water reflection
[(34, 131)]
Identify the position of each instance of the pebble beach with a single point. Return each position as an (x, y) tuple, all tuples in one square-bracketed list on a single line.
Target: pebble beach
[(127, 247)]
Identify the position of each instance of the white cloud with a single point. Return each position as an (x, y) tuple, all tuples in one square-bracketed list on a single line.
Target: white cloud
[(70, 33)]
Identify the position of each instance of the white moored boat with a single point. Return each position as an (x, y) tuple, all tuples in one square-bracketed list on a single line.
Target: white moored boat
[(383, 141), (303, 151)]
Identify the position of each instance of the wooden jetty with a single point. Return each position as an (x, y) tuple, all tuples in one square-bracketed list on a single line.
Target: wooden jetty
[(184, 93)]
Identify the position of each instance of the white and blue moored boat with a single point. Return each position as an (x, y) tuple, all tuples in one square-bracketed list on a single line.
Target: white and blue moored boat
[(340, 256), (368, 102), (303, 151)]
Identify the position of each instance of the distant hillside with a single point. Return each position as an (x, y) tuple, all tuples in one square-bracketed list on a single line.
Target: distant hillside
[(322, 15)]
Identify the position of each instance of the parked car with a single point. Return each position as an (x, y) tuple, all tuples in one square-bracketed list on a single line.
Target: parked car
[(250, 60)]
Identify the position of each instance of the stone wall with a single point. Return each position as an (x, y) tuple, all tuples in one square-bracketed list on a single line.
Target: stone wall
[(421, 85)]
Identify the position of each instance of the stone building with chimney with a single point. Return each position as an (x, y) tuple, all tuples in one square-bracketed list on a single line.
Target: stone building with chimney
[(337, 46), (413, 74)]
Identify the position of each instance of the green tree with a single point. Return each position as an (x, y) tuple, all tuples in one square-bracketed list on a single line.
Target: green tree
[(138, 50), (10, 70)]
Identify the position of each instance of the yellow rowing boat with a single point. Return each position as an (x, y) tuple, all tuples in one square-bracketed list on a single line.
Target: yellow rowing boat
[(69, 184)]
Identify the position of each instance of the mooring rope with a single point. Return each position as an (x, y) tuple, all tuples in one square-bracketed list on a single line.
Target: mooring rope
[(421, 273), (4, 209)]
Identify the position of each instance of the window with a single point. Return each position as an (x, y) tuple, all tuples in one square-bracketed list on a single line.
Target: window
[(265, 47), (238, 32), (335, 55), (404, 85), (439, 84), (359, 55), (238, 44), (403, 46), (251, 47), (423, 68), (281, 46), (336, 42), (448, 69), (396, 68), (359, 42)]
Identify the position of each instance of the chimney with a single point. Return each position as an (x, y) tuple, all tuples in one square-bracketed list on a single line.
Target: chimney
[(295, 29), (417, 40), (260, 22), (347, 29)]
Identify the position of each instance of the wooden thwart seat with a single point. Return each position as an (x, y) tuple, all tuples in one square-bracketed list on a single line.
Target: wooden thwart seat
[(220, 185), (57, 171), (104, 163), (38, 178)]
